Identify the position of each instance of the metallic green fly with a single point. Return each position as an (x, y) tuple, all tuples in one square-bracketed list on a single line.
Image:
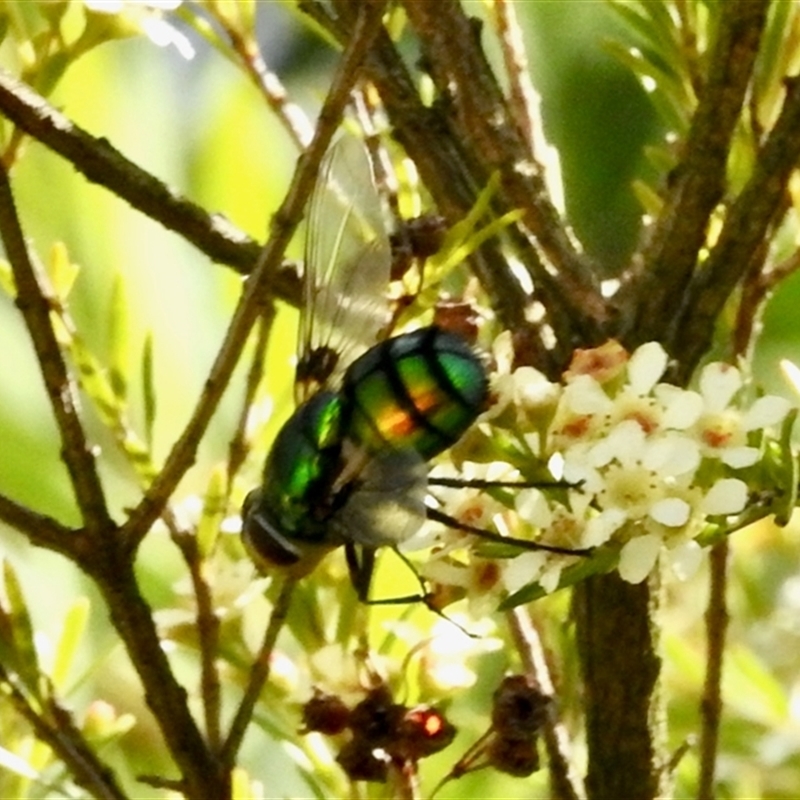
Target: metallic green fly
[(349, 466)]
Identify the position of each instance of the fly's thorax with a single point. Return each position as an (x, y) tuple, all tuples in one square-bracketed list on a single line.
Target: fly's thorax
[(419, 390), (290, 511)]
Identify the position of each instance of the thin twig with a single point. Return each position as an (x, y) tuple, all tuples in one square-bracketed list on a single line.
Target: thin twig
[(782, 270), (647, 298), (289, 114), (717, 618), (404, 781), (687, 30), (454, 180), (132, 618), (41, 530), (256, 290), (717, 615), (237, 447), (207, 625), (98, 161), (472, 108), (425, 136), (34, 301), (524, 100), (100, 553), (463, 74), (259, 674), (746, 225), (565, 784), (55, 727), (752, 298)]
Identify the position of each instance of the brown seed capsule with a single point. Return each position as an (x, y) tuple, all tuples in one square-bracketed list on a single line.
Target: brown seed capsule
[(520, 710), (423, 731), (325, 713), (376, 718), (361, 761), (517, 757)]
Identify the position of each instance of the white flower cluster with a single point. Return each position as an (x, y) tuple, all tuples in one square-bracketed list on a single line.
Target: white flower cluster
[(647, 464)]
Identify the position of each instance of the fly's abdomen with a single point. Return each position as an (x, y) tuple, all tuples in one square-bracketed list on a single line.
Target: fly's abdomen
[(419, 390), (291, 508)]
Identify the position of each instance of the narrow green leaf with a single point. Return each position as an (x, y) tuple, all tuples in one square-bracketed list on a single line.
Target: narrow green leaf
[(118, 339), (138, 454), (111, 408), (461, 240), (661, 73), (790, 472), (656, 29), (71, 632), (213, 512), (768, 68), (461, 231), (148, 390), (25, 660), (7, 282), (661, 156), (95, 382), (61, 270), (451, 256), (648, 198)]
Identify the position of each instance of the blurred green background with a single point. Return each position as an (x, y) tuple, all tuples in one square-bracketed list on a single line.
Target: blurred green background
[(200, 126)]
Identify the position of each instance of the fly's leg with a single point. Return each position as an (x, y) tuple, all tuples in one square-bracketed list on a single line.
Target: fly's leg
[(361, 571), (489, 536)]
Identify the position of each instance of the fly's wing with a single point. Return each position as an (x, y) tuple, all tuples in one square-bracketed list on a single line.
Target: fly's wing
[(346, 272), (387, 504)]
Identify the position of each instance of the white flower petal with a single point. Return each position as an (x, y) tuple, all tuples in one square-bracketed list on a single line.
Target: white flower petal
[(534, 390), (646, 366), (726, 496), (638, 557), (523, 569), (503, 393), (738, 457), (584, 395), (549, 581), (718, 384), (682, 408), (671, 511), (579, 502), (624, 443), (600, 529), (445, 572), (685, 559), (767, 410), (672, 455), (532, 506), (503, 352), (577, 470), (556, 465)]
